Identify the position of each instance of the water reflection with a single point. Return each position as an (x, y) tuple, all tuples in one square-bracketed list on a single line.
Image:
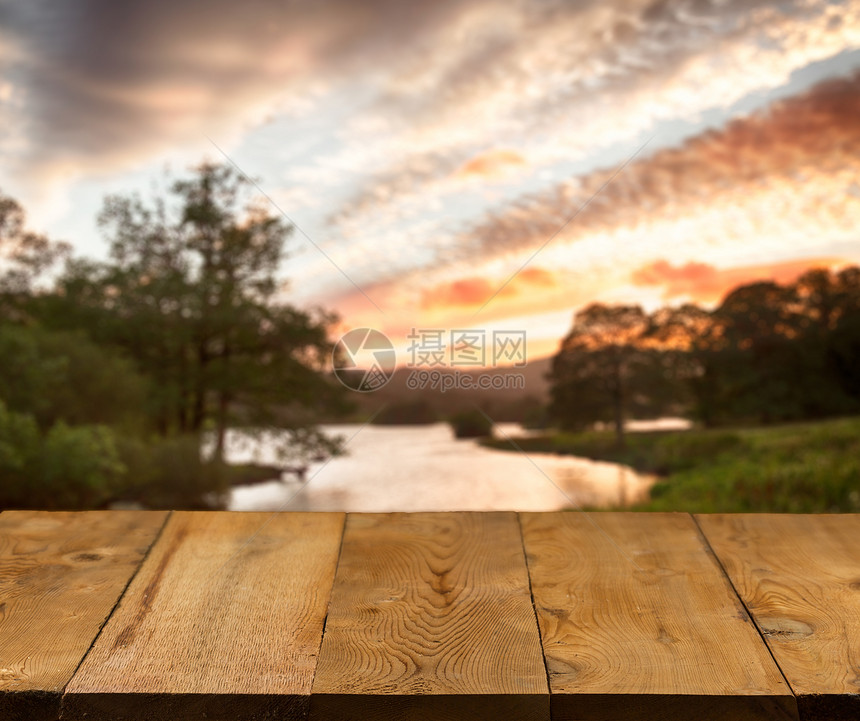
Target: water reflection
[(425, 469)]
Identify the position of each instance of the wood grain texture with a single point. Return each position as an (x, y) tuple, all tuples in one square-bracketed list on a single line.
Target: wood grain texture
[(666, 638), (431, 618), (799, 576), (61, 575), (223, 621)]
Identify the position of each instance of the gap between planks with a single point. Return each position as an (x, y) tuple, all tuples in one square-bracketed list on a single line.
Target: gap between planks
[(116, 605)]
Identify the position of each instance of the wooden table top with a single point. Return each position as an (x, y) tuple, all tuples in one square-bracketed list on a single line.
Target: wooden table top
[(145, 615)]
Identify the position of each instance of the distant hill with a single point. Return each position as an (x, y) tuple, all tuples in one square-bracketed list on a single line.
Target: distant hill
[(502, 404)]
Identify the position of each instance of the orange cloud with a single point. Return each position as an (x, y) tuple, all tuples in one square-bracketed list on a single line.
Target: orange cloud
[(780, 150), (537, 276), (491, 164), (707, 284), (474, 292), (459, 293)]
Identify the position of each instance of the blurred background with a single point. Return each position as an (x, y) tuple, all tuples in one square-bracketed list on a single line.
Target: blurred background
[(659, 199)]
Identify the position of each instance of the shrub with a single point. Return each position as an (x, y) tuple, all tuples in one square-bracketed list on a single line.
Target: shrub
[(67, 467), (170, 473), (471, 424)]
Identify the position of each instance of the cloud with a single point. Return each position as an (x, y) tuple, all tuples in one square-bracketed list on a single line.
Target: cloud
[(561, 81), (537, 276), (471, 292), (491, 164), (420, 103), (775, 154), (101, 85), (105, 83), (464, 292), (728, 206), (707, 284)]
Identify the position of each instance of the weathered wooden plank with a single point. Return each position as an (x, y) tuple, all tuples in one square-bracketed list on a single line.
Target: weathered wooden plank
[(666, 638), (223, 621), (431, 618), (60, 576), (799, 576)]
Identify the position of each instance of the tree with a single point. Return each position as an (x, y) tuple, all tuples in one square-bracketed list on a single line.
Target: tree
[(114, 372), (769, 354), (843, 342), (25, 257), (619, 362), (193, 293), (599, 370), (62, 376)]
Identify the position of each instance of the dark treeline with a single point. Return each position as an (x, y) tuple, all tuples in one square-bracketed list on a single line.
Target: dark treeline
[(113, 373), (769, 353)]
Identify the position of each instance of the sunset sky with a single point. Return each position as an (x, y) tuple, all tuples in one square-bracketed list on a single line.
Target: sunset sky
[(436, 156)]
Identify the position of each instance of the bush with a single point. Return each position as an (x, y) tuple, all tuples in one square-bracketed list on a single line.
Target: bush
[(67, 467), (170, 473), (471, 424), (806, 468), (79, 466), (88, 466)]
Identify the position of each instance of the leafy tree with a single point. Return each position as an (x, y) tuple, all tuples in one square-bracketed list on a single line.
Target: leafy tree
[(843, 342), (772, 354), (608, 367), (192, 293), (769, 353), (64, 376), (25, 257), (740, 352), (182, 332)]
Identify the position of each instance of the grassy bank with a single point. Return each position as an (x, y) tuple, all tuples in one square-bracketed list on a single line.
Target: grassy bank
[(799, 468)]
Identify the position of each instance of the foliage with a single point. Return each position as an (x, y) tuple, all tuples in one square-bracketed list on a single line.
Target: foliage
[(471, 424), (769, 353), (805, 468), (113, 372), (170, 473), (63, 376), (291, 447), (88, 466), (611, 364), (192, 294), (25, 257), (65, 467)]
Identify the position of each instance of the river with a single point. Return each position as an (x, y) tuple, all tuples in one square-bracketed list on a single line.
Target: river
[(424, 468)]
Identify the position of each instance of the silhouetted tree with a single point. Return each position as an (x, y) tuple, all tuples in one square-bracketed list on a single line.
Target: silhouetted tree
[(768, 353), (771, 354), (610, 366)]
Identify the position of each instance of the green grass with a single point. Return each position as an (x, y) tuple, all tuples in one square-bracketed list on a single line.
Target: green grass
[(797, 468)]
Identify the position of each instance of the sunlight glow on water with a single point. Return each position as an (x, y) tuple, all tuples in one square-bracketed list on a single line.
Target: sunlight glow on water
[(424, 468)]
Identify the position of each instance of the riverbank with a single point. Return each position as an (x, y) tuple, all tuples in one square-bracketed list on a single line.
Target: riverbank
[(797, 468)]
